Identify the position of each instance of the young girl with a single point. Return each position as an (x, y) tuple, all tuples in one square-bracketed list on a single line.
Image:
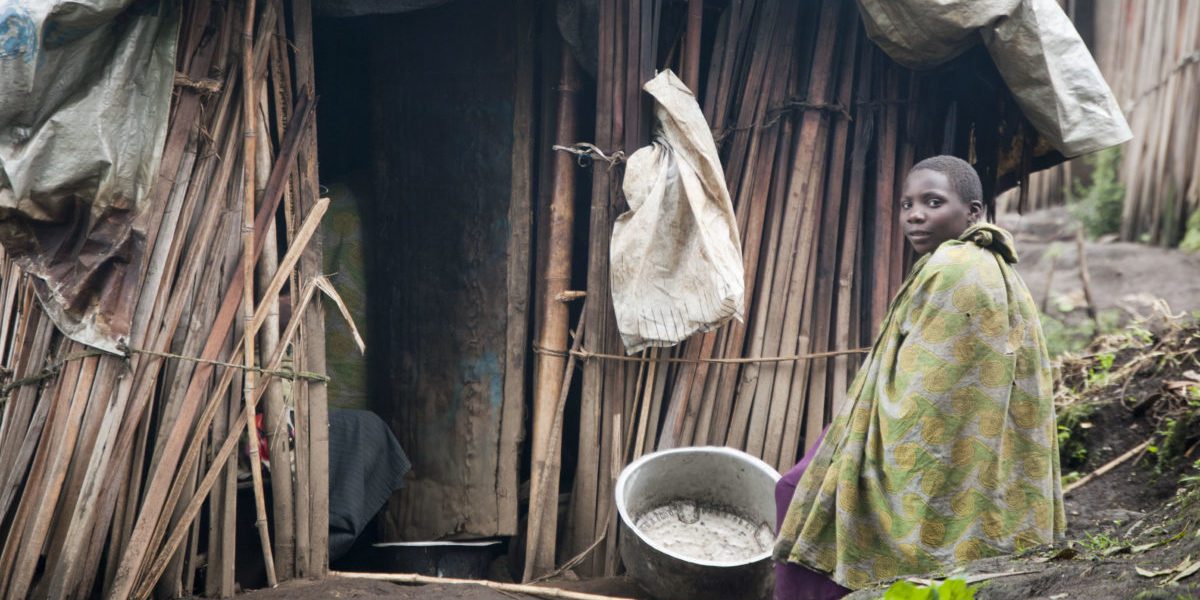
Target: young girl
[(945, 449)]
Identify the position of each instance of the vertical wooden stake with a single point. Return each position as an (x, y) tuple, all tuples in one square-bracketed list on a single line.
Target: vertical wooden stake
[(691, 56), (546, 458), (249, 98)]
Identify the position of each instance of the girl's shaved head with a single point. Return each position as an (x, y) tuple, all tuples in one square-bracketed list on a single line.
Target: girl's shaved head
[(958, 172)]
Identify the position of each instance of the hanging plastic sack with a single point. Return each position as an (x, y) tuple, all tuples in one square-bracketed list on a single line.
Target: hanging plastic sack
[(85, 95), (676, 260)]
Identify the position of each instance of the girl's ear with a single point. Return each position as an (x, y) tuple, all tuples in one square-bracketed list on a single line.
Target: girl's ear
[(975, 210)]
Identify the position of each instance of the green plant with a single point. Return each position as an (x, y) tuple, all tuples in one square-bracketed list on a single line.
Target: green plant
[(1072, 421), (1191, 238), (1098, 375), (1098, 205), (1062, 338), (1099, 542), (1192, 482), (950, 589), (1177, 434)]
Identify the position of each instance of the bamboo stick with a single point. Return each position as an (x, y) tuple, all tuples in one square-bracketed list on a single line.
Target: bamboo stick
[(81, 521), (584, 495), (250, 135), (270, 295), (806, 189), (822, 314), (864, 131), (46, 475), (885, 173), (546, 458), (533, 590), (150, 511), (275, 417)]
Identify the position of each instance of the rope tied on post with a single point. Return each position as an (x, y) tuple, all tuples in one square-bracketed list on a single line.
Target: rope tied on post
[(585, 151), (53, 369), (48, 372), (288, 374), (776, 114), (585, 355)]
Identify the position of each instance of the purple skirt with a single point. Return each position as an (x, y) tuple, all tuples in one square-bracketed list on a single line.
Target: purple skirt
[(792, 581)]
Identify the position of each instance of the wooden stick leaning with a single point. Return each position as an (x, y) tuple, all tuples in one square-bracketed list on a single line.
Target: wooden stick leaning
[(270, 294), (584, 495), (1110, 465), (274, 415), (250, 101), (823, 313), (806, 189), (532, 590), (225, 450), (160, 479)]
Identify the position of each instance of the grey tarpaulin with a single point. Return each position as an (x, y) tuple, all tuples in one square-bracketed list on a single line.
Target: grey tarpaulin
[(676, 260), (85, 90), (1039, 54), (366, 465)]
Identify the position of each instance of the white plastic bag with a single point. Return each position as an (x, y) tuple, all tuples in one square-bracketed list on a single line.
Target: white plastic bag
[(676, 260)]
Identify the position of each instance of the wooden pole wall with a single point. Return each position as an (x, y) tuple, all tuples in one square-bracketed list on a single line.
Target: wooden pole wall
[(1149, 52), (108, 460)]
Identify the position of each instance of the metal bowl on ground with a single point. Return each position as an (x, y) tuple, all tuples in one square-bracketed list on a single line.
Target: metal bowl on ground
[(698, 524), (462, 560)]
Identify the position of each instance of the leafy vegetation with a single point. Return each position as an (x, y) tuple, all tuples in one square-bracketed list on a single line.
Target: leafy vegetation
[(1072, 421), (950, 589), (1062, 338), (1099, 203), (1100, 543), (1191, 238)]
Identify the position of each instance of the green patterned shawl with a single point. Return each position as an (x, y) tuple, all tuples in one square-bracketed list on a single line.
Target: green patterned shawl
[(945, 449)]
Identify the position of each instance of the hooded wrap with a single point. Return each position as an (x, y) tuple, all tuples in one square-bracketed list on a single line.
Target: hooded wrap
[(945, 450)]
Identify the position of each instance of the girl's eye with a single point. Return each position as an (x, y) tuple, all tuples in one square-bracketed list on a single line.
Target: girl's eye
[(934, 203), (906, 205)]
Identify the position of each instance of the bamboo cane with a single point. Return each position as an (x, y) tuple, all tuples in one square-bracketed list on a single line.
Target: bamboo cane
[(275, 416), (546, 459), (250, 135), (270, 295), (533, 590)]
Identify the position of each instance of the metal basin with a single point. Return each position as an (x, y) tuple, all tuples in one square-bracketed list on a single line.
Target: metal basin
[(706, 495)]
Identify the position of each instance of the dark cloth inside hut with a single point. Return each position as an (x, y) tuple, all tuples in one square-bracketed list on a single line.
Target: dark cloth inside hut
[(366, 465), (793, 581)]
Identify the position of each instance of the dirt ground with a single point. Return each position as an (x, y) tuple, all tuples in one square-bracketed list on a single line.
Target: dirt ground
[(1128, 519), (1123, 275), (339, 587)]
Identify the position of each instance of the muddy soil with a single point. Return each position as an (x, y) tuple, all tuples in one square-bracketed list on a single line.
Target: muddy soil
[(339, 587), (1124, 276)]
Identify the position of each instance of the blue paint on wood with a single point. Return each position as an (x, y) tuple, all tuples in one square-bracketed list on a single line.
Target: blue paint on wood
[(18, 35)]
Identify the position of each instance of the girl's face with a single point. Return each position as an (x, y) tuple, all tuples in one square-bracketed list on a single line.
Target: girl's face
[(931, 212)]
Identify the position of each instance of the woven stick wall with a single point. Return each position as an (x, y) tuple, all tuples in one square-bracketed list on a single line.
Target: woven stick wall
[(817, 129), (107, 462)]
